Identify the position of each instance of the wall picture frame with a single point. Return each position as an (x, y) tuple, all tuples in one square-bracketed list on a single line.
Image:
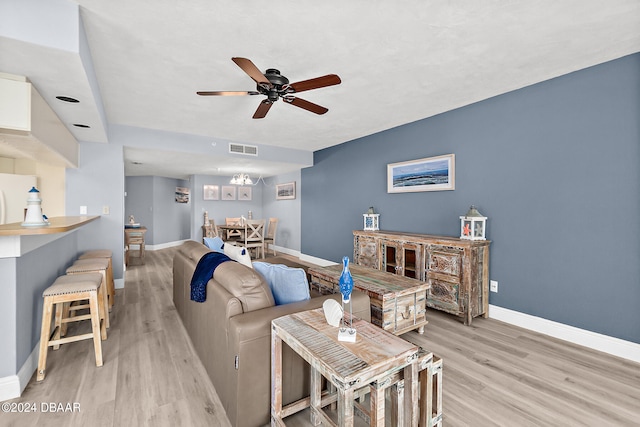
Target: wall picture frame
[(244, 193), (427, 174), (286, 191), (228, 192), (182, 195), (210, 192)]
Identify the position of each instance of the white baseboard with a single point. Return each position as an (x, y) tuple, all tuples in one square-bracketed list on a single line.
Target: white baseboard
[(600, 342), (164, 245), (318, 261), (614, 346), (13, 385), (9, 387)]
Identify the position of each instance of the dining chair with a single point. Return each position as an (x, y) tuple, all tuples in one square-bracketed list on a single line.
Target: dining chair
[(254, 236), (270, 237), (233, 235), (209, 230)]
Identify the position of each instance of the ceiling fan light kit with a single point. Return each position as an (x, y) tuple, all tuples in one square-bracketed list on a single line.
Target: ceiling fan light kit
[(274, 86)]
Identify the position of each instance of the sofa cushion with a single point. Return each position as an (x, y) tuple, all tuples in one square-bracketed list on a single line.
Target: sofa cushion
[(287, 284), (245, 284), (214, 243), (237, 253)]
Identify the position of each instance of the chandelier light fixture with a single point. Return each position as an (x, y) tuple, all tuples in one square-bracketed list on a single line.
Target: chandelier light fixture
[(241, 179)]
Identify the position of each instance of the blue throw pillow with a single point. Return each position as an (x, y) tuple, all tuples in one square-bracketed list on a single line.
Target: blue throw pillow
[(287, 284), (214, 243)]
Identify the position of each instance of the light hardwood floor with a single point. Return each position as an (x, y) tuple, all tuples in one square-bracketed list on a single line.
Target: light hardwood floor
[(495, 374)]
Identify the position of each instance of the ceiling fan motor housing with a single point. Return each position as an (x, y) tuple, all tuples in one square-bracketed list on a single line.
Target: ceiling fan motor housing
[(279, 84)]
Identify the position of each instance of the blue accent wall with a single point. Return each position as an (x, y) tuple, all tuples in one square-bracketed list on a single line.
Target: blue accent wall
[(556, 168)]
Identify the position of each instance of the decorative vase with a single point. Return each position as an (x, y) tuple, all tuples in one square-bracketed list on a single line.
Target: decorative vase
[(346, 281), (347, 332)]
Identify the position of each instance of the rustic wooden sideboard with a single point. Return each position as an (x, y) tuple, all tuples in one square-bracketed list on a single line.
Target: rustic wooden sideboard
[(457, 270)]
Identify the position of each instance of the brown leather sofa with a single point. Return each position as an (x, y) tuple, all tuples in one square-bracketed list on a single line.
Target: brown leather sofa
[(231, 333)]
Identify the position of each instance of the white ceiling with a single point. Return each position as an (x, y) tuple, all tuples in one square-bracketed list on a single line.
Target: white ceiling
[(399, 62)]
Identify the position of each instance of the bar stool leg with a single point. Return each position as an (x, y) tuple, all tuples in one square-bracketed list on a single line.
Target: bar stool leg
[(44, 337), (112, 286), (95, 304), (62, 311), (103, 311)]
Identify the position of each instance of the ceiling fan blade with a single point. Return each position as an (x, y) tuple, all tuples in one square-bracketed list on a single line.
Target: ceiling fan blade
[(253, 71), (306, 105), (263, 109), (227, 93), (318, 82)]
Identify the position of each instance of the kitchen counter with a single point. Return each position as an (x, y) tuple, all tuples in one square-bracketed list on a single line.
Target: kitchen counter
[(60, 224)]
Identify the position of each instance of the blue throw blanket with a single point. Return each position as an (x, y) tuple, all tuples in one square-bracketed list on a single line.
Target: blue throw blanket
[(203, 272)]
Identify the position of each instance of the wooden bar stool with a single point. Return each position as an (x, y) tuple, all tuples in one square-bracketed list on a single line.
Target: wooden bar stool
[(65, 290), (104, 253), (90, 265)]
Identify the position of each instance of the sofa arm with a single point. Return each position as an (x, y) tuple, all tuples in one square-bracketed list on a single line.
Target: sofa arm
[(249, 338)]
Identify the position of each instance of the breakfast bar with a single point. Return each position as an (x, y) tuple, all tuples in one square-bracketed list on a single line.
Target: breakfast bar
[(30, 260)]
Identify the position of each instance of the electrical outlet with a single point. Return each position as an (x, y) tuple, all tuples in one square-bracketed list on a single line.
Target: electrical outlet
[(105, 210), (493, 286), (83, 210)]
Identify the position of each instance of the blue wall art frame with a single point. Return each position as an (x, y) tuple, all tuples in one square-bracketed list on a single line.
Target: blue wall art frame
[(428, 174)]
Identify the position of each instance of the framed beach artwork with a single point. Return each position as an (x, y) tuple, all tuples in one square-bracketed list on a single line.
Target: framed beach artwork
[(286, 191), (211, 192), (428, 174), (182, 195), (228, 192)]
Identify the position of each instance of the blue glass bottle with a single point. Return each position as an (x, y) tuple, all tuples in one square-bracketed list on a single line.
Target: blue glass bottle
[(346, 281)]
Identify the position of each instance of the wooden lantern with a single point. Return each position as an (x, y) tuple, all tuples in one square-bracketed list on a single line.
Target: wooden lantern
[(473, 225)]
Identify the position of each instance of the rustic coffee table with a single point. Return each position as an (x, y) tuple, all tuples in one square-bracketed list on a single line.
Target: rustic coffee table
[(398, 303), (372, 361)]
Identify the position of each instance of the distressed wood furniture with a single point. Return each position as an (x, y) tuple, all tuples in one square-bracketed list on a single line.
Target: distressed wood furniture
[(430, 393), (134, 236), (398, 304), (372, 360), (457, 270)]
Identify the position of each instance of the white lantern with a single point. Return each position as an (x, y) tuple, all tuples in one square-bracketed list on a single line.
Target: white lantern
[(371, 220), (473, 225)]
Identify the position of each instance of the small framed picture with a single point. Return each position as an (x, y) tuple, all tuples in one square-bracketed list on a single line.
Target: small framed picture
[(228, 192), (286, 191), (182, 195), (244, 193), (211, 192), (428, 174)]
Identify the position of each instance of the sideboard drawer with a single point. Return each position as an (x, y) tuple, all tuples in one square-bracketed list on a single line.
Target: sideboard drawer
[(444, 260), (444, 295)]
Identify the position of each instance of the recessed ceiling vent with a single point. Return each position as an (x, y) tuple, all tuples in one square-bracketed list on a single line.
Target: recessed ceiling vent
[(249, 150)]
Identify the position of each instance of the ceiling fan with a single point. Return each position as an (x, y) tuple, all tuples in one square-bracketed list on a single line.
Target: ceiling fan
[(275, 86)]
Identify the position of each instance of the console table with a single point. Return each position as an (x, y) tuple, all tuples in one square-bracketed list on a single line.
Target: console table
[(372, 361), (457, 270)]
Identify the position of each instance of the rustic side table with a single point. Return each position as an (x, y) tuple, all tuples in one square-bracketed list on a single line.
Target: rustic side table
[(373, 360)]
